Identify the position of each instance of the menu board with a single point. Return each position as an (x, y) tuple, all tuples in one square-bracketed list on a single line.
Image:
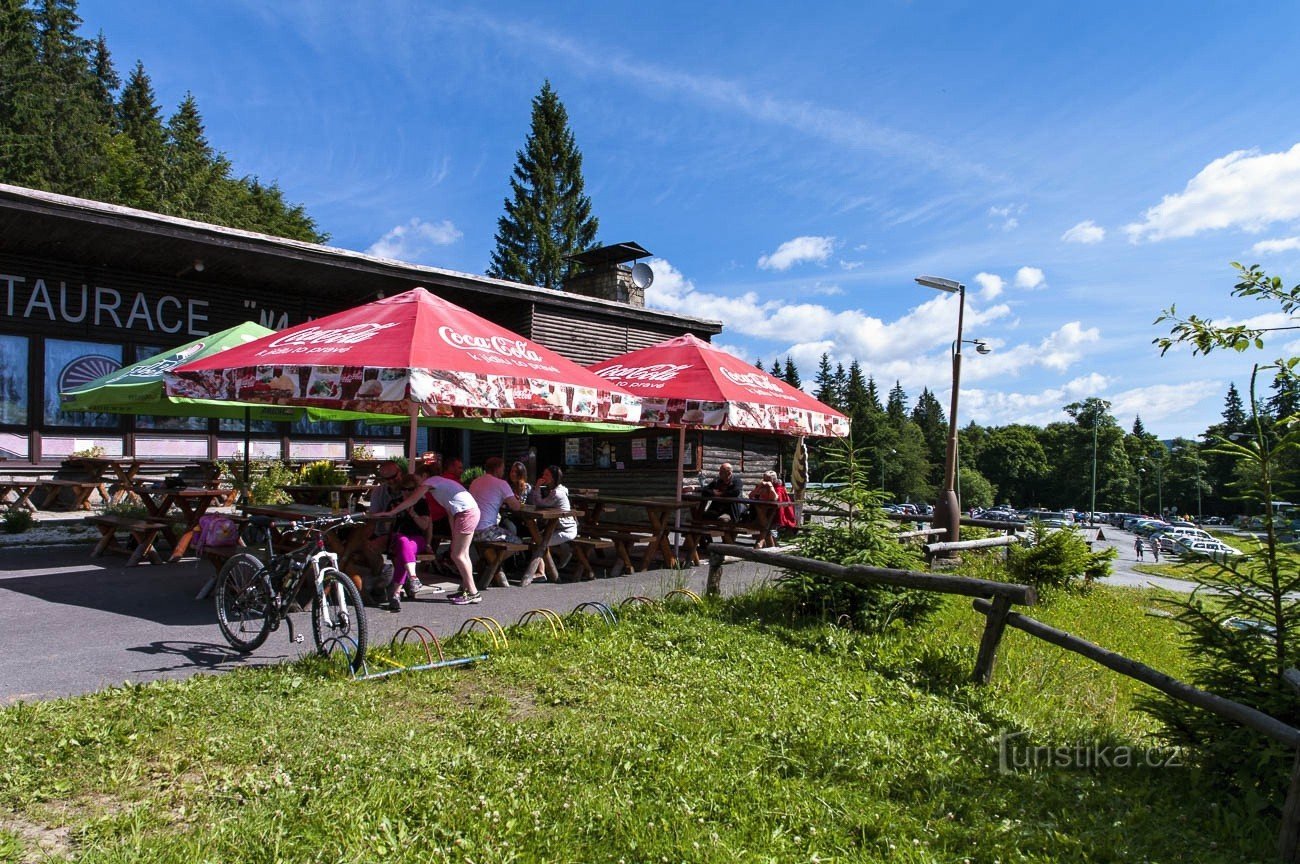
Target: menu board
[(646, 451)]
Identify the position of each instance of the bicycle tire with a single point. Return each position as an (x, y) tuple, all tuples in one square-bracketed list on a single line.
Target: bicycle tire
[(243, 599), (350, 620)]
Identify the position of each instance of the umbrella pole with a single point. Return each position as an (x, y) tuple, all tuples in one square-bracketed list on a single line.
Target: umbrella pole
[(415, 428), (681, 475), (248, 445)]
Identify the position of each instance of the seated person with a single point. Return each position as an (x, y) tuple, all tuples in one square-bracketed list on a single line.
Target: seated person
[(491, 492), (453, 468), (725, 485), (770, 488), (382, 496), (410, 538), (551, 493)]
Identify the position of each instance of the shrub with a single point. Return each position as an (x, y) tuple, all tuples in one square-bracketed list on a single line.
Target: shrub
[(93, 452), (322, 472), (470, 475), (1057, 559), (862, 535), (16, 521), (362, 451)]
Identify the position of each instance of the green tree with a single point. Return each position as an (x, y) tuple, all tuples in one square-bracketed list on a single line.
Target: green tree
[(20, 96), (896, 407), (791, 374), (139, 120), (775, 371), (193, 172), (548, 215), (825, 380), (1015, 464), (929, 417)]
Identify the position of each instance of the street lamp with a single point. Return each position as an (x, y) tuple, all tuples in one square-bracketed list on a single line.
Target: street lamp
[(1141, 471), (947, 512), (1092, 511), (881, 460)]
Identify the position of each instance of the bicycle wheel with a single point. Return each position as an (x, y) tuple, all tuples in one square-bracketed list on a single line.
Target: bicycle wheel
[(336, 612), (243, 599)]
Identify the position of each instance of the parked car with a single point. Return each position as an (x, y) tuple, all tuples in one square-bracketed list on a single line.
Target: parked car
[(1171, 535), (1209, 548)]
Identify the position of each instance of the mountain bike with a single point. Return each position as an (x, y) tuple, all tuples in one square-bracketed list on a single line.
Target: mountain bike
[(253, 596)]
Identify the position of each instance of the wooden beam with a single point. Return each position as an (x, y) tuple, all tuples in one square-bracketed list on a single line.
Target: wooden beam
[(1243, 714), (1023, 595), (986, 543), (994, 627)]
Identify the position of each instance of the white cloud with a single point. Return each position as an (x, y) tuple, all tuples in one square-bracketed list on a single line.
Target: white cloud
[(796, 251), (1029, 277), (850, 265), (990, 284), (827, 290), (1008, 215), (411, 241), (1272, 247), (1088, 232), (1245, 189)]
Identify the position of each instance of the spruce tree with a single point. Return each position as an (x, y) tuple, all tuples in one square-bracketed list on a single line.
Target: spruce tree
[(68, 140), (825, 381), (139, 120), (791, 374), (841, 383), (193, 171), (19, 94), (1234, 411), (775, 371), (873, 396), (104, 82), (928, 415), (548, 216), (896, 408)]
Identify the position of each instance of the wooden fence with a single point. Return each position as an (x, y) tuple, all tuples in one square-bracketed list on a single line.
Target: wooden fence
[(994, 601)]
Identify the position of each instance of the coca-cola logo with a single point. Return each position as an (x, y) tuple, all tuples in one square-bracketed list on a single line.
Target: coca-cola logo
[(655, 372), (158, 367), (326, 336), (503, 345), (751, 380)]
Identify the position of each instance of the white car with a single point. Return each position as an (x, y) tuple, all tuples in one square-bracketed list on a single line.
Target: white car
[(1192, 546)]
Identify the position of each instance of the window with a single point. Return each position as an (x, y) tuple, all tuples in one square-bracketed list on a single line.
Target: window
[(70, 364), (13, 380)]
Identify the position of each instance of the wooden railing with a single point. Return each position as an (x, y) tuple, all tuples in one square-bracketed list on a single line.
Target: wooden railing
[(994, 601)]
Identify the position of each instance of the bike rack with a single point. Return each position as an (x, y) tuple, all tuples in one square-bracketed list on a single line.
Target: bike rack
[(551, 618), (341, 643), (491, 625), (607, 614), (683, 592), (441, 664), (425, 635), (637, 598)]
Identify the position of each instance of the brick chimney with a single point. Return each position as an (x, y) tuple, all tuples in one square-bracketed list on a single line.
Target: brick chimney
[(604, 273)]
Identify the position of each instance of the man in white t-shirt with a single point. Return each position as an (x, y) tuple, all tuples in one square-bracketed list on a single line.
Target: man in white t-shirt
[(491, 491)]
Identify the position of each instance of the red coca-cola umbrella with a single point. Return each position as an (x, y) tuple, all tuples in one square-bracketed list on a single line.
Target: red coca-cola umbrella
[(686, 382), (413, 354)]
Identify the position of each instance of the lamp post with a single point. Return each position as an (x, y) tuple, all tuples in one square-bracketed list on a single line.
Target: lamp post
[(1092, 508), (1141, 471), (881, 460), (947, 512)]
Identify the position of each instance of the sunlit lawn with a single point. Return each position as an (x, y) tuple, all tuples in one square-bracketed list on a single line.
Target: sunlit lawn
[(722, 733)]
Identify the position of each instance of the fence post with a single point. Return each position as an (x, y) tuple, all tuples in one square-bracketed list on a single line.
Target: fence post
[(1288, 840), (994, 627), (713, 587)]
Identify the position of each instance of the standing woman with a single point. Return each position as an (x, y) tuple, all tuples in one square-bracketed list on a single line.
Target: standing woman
[(462, 514), (551, 493)]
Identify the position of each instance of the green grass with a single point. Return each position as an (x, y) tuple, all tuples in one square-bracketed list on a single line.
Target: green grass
[(719, 733)]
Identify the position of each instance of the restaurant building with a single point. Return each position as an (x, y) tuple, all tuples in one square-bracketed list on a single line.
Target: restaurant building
[(86, 287)]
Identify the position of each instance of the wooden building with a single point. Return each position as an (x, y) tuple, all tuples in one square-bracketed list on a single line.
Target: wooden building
[(86, 287)]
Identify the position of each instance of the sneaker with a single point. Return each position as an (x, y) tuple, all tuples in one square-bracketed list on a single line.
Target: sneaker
[(412, 587), (394, 603), (460, 598)]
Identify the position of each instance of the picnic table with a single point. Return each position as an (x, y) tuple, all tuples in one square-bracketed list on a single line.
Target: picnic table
[(342, 541), (763, 513), (113, 476), (542, 523), (22, 489), (191, 502), (659, 513), (314, 493)]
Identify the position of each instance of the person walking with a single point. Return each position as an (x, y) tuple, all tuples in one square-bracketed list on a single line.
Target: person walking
[(1137, 547), (1155, 550)]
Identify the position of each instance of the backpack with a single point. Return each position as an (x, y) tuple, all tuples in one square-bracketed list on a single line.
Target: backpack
[(216, 530)]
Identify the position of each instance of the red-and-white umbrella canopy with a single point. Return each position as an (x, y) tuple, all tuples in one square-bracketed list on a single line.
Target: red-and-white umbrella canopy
[(687, 382), (414, 352)]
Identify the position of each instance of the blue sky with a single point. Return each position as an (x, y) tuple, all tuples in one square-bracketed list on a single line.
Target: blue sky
[(1079, 166)]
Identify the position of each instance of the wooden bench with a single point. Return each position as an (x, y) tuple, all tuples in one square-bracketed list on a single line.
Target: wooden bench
[(620, 538), (23, 489), (143, 531), (81, 491), (494, 554), (582, 549)]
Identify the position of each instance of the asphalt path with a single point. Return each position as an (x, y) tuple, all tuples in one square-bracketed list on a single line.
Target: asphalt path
[(1122, 572), (70, 624)]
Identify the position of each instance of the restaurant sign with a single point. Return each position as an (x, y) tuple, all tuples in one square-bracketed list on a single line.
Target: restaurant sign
[(32, 300)]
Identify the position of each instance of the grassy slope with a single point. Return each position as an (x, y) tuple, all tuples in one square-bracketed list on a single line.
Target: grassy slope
[(681, 734)]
